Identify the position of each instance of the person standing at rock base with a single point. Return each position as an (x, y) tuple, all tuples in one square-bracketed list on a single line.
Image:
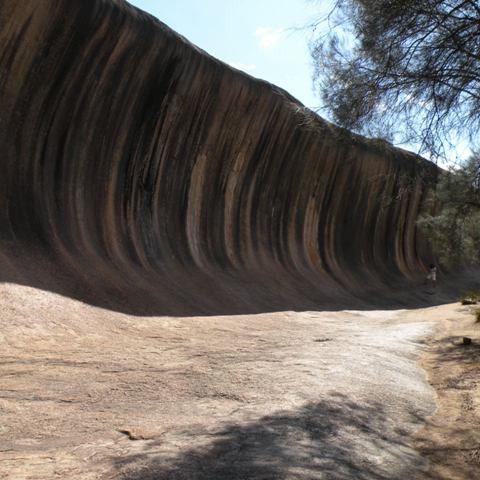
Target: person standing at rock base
[(431, 278)]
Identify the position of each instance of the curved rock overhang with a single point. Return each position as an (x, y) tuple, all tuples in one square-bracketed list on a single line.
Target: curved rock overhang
[(139, 173)]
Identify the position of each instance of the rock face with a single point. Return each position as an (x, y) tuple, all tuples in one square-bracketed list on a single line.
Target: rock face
[(140, 174)]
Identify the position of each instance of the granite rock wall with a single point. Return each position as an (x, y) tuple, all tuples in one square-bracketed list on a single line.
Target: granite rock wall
[(141, 174)]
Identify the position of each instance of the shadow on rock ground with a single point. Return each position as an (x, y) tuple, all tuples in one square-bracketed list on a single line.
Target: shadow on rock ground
[(334, 439), (452, 349), (186, 290)]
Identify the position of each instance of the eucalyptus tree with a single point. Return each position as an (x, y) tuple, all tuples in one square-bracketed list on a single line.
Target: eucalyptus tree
[(403, 70)]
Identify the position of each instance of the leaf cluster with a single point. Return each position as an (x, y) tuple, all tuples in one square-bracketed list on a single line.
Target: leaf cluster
[(405, 70)]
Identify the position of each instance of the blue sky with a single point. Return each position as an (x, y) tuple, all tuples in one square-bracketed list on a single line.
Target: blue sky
[(257, 36)]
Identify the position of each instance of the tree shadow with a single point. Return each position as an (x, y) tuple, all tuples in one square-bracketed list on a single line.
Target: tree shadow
[(335, 438), (452, 349)]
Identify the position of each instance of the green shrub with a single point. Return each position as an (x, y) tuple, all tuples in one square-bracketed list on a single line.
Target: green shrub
[(453, 228), (469, 298)]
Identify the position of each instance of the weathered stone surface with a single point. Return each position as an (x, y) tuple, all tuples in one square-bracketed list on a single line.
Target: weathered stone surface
[(140, 174)]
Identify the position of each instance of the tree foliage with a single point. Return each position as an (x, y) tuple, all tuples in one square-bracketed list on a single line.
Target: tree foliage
[(455, 230), (404, 70)]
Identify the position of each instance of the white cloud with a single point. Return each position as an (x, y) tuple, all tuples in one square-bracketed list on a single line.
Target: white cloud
[(246, 67), (268, 37)]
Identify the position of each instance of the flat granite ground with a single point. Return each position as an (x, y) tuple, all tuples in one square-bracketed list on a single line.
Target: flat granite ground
[(90, 394)]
